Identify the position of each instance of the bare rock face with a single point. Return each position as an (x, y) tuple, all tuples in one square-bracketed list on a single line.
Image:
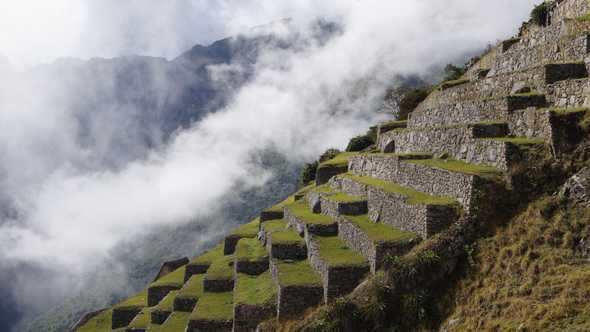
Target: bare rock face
[(577, 188)]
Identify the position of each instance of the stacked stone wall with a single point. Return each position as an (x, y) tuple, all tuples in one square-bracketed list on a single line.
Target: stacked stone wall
[(337, 281), (294, 251), (185, 304), (567, 49), (121, 317), (569, 9), (218, 285), (392, 209), (247, 316), (209, 326), (570, 93), (334, 209), (460, 142), (374, 252), (293, 300), (157, 293), (317, 229), (159, 316), (430, 180)]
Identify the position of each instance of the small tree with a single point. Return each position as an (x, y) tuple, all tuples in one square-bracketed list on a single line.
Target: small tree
[(411, 100), (308, 173), (540, 14), (453, 72), (329, 154), (359, 143)]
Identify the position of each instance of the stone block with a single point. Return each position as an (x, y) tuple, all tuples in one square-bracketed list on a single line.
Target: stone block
[(122, 316)]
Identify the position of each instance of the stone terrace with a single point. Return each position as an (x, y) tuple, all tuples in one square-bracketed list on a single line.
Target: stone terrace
[(366, 209)]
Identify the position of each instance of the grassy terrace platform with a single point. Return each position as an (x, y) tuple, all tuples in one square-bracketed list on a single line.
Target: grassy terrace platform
[(278, 225), (250, 250), (341, 160), (174, 278), (378, 232), (214, 307), (175, 323), (100, 323), (167, 304), (255, 290), (336, 254), (201, 263), (138, 300), (302, 211), (341, 197), (188, 296), (296, 274), (460, 167), (221, 269), (248, 230), (413, 197), (142, 320)]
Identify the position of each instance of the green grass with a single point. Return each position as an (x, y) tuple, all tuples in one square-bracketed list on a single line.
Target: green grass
[(413, 197), (583, 18), (193, 288), (272, 226), (301, 210), (221, 269), (518, 140), (100, 323), (566, 111), (453, 83), (460, 167), (287, 237), (390, 125), (167, 303), (341, 160), (143, 319), (138, 300), (378, 232), (248, 230), (341, 197), (175, 278), (214, 307), (209, 256), (323, 189), (255, 290), (402, 156), (297, 274), (250, 250), (177, 322), (334, 252)]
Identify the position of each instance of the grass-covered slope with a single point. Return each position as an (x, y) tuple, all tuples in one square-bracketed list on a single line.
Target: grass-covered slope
[(529, 276)]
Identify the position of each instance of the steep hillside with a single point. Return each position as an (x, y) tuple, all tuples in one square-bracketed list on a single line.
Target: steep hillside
[(447, 222)]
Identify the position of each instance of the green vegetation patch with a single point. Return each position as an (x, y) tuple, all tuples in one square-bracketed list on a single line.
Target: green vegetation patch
[(167, 303), (138, 300), (221, 269), (250, 250), (288, 237), (193, 288), (566, 111), (413, 197), (214, 307), (100, 323), (175, 278), (248, 230), (143, 319), (449, 84), (341, 197), (297, 274), (460, 167), (255, 290), (272, 226), (301, 210), (583, 18), (209, 256), (390, 125), (341, 160), (334, 252), (518, 140), (378, 232), (177, 322)]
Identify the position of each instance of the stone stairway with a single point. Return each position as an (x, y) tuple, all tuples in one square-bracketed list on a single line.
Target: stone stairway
[(431, 171)]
